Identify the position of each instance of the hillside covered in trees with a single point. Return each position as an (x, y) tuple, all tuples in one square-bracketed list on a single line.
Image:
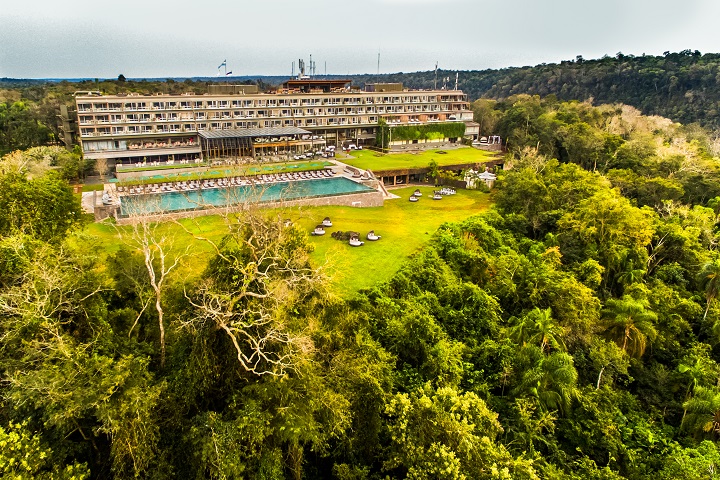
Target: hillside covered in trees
[(684, 86), (572, 332)]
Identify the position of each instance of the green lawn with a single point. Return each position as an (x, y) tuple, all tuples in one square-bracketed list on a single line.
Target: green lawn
[(404, 226), (368, 159)]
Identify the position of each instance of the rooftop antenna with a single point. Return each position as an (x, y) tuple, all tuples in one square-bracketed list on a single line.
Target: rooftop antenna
[(311, 71), (378, 70), (457, 74), (326, 68), (292, 72), (436, 65)]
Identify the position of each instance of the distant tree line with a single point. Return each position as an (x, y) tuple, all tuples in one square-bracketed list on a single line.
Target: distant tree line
[(683, 86)]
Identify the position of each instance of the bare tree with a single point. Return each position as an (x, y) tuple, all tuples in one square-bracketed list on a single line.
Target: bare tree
[(155, 245), (261, 270), (101, 167)]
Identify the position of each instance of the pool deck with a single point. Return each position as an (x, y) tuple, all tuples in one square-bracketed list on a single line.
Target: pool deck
[(336, 170)]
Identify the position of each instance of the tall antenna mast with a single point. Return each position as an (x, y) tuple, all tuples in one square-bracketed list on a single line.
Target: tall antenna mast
[(326, 68), (378, 70), (436, 64), (292, 71), (456, 79), (311, 69)]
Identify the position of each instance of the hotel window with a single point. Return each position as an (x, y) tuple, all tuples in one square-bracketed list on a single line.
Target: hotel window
[(227, 125), (158, 105), (188, 127)]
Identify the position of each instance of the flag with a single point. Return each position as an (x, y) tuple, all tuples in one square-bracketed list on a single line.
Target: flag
[(228, 73), (224, 64)]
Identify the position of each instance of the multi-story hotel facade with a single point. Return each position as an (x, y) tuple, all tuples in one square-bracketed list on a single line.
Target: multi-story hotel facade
[(298, 116)]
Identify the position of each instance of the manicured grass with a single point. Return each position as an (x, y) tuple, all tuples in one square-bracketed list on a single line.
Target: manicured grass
[(368, 159), (404, 226), (97, 187)]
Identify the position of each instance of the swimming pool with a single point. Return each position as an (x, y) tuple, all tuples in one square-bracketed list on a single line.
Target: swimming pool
[(221, 197)]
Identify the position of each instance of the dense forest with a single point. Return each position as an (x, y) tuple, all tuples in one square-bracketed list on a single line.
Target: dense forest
[(571, 332), (683, 86)]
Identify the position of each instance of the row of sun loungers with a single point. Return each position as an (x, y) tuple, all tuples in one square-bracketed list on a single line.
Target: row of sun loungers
[(225, 182)]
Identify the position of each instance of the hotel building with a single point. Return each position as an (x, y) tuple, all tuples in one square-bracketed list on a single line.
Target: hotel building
[(239, 121)]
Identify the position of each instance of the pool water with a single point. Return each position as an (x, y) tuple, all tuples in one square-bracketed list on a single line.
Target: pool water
[(221, 197)]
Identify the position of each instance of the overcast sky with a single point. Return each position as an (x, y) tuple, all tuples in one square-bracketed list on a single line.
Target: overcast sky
[(180, 38)]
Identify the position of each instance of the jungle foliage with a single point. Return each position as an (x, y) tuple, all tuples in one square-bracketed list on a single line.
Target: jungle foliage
[(571, 332)]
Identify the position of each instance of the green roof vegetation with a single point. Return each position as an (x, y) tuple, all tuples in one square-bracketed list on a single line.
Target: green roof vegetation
[(375, 161)]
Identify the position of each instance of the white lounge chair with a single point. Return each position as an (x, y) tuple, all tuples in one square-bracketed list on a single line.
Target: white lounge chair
[(355, 240)]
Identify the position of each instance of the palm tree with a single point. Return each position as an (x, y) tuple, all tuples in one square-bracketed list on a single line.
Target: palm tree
[(703, 410), (629, 325), (709, 278), (700, 372), (538, 327), (551, 379)]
